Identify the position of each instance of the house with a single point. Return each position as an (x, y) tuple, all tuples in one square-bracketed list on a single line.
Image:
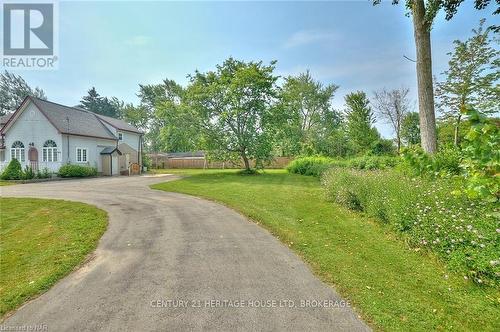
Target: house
[(42, 134)]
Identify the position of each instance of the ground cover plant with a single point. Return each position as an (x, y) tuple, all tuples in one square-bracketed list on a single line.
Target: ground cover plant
[(42, 241), (392, 286), (463, 232)]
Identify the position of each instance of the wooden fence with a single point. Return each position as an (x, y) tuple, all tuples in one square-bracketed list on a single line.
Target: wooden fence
[(189, 162)]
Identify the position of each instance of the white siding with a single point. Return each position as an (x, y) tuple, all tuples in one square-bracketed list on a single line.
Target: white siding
[(94, 147), (33, 127)]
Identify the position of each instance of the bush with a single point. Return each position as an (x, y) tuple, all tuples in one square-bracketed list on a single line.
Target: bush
[(461, 231), (309, 165), (382, 147), (76, 171), (28, 173), (481, 162), (316, 166), (444, 163), (13, 171)]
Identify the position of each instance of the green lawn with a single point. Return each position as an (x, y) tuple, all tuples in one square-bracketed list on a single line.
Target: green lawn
[(5, 183), (41, 241), (392, 287)]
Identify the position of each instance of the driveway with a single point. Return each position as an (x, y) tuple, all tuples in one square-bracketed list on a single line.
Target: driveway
[(171, 262)]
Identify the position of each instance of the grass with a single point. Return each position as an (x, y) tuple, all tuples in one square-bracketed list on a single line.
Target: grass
[(41, 242), (391, 287), (5, 183)]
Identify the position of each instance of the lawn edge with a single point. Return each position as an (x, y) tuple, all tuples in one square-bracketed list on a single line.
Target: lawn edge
[(89, 257)]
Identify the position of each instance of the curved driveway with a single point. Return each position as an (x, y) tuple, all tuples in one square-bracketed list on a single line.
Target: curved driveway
[(165, 250)]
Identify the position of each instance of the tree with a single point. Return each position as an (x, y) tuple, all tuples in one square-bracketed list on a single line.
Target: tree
[(423, 13), (235, 106), (100, 105), (410, 129), (13, 90), (306, 103), (360, 118), (470, 80), (392, 106)]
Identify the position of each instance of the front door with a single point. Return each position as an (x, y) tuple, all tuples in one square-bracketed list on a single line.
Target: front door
[(33, 158)]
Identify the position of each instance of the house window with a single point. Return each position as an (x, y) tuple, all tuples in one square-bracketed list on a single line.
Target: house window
[(81, 155), (17, 151), (120, 136), (49, 151)]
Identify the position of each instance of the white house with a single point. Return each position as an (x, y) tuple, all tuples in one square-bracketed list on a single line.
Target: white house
[(43, 134)]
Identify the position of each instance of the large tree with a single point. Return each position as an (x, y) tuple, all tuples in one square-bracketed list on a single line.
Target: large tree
[(94, 102), (13, 89), (359, 121), (423, 13), (235, 108), (310, 118), (471, 79), (392, 106)]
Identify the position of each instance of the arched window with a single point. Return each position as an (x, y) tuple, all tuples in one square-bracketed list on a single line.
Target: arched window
[(49, 151), (17, 151)]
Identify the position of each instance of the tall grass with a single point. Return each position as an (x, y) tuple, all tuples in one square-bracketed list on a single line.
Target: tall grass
[(462, 232)]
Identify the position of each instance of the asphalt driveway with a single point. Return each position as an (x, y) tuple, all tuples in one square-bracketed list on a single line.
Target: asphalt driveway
[(171, 262)]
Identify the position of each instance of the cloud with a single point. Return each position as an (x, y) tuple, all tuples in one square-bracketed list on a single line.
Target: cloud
[(306, 37), (139, 40)]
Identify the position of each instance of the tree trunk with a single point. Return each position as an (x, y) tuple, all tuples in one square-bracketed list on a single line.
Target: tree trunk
[(245, 160), (398, 139), (457, 130), (424, 78)]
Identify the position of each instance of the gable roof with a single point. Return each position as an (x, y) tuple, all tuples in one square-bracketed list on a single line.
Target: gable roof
[(72, 120), (118, 124)]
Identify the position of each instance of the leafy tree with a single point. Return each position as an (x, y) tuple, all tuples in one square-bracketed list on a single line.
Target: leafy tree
[(423, 13), (235, 106), (13, 89), (100, 105), (360, 119), (446, 131), (306, 103), (471, 79), (135, 115), (410, 129), (180, 131), (392, 106)]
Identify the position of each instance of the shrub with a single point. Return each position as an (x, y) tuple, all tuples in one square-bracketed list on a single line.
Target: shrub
[(77, 171), (461, 231), (444, 163), (316, 166), (28, 173), (482, 157), (309, 165), (13, 171), (382, 147)]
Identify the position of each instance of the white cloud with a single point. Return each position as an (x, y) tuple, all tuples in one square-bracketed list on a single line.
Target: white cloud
[(139, 40), (306, 37)]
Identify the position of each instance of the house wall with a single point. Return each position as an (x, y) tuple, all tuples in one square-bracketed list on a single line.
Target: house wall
[(33, 127), (93, 145)]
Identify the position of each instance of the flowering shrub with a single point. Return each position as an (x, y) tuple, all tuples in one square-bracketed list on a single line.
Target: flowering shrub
[(464, 232)]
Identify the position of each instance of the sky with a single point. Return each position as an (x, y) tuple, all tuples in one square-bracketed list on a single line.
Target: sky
[(115, 46)]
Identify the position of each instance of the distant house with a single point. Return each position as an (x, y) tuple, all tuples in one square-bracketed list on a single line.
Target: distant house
[(43, 134)]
